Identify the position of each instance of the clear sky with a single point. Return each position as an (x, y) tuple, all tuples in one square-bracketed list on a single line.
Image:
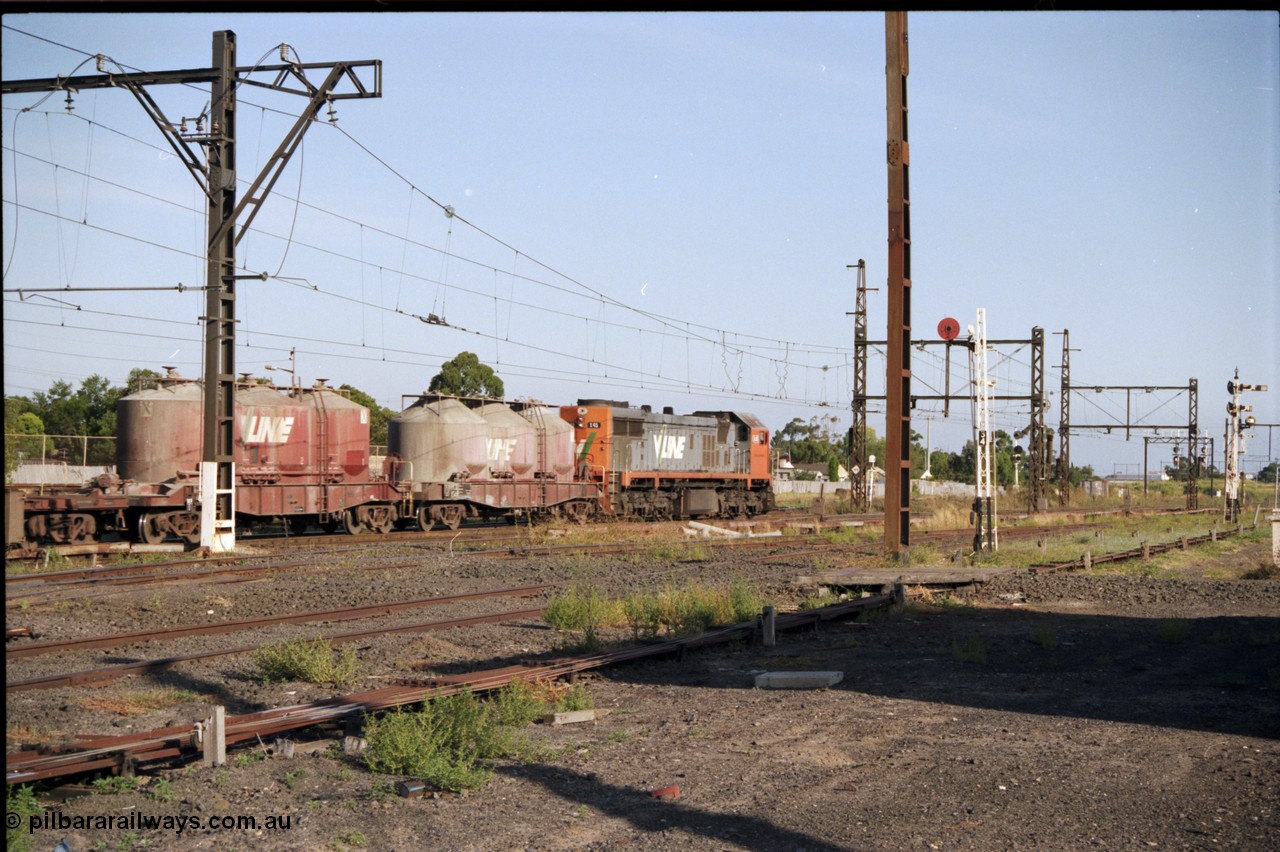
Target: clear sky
[(661, 207)]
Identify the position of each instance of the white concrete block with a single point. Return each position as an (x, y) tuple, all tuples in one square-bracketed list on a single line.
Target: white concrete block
[(798, 680)]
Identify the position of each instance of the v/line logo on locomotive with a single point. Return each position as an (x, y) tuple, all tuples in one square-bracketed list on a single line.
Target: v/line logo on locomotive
[(266, 429), (665, 447), (669, 446)]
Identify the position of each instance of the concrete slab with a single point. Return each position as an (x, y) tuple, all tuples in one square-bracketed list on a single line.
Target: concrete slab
[(574, 717), (798, 680)]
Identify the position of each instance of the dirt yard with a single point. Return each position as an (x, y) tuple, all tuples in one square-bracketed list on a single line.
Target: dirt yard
[(1041, 712)]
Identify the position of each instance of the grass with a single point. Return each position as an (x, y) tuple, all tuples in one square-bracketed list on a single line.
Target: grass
[(313, 661), (585, 609), (135, 701), (673, 610)]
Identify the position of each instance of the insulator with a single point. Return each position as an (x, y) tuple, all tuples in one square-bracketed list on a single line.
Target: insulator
[(284, 52), (70, 103)]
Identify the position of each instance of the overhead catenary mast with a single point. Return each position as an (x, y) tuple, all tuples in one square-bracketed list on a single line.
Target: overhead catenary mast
[(228, 218)]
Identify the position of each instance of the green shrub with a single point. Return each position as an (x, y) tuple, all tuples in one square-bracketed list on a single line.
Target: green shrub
[(520, 703), (442, 743), (312, 661), (20, 801), (577, 698)]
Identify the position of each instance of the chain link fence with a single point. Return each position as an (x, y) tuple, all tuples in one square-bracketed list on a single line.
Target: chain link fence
[(66, 459)]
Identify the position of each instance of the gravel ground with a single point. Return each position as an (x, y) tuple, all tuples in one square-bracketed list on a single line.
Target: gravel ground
[(1042, 711)]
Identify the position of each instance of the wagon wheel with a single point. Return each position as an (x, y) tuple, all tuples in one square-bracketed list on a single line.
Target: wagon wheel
[(353, 524), (187, 526), (451, 515), (578, 511), (382, 519), (425, 520), (79, 529), (149, 531)]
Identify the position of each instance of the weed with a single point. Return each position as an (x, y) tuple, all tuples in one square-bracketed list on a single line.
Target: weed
[(585, 609), (1043, 636), (312, 661), (129, 842), (382, 790), (291, 777), (161, 790), (351, 838), (115, 784), (220, 779), (1173, 630), (245, 758), (577, 698), (441, 743), (619, 736), (974, 650), (1104, 660), (520, 702), (20, 803)]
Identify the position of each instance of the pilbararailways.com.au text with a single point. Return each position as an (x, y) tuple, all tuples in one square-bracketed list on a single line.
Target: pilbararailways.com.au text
[(135, 821)]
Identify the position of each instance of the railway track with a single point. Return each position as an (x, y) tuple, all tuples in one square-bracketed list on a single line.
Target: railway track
[(182, 742), (32, 764)]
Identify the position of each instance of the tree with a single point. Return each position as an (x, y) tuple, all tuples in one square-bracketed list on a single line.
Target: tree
[(90, 410), (19, 420), (465, 375), (140, 378), (1269, 473), (378, 415)]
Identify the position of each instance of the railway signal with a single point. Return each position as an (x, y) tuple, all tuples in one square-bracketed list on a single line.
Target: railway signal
[(1235, 437)]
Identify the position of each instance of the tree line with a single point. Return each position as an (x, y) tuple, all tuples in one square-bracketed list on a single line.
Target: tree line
[(817, 441)]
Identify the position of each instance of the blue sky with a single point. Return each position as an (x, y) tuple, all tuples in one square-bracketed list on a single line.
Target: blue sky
[(660, 207)]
